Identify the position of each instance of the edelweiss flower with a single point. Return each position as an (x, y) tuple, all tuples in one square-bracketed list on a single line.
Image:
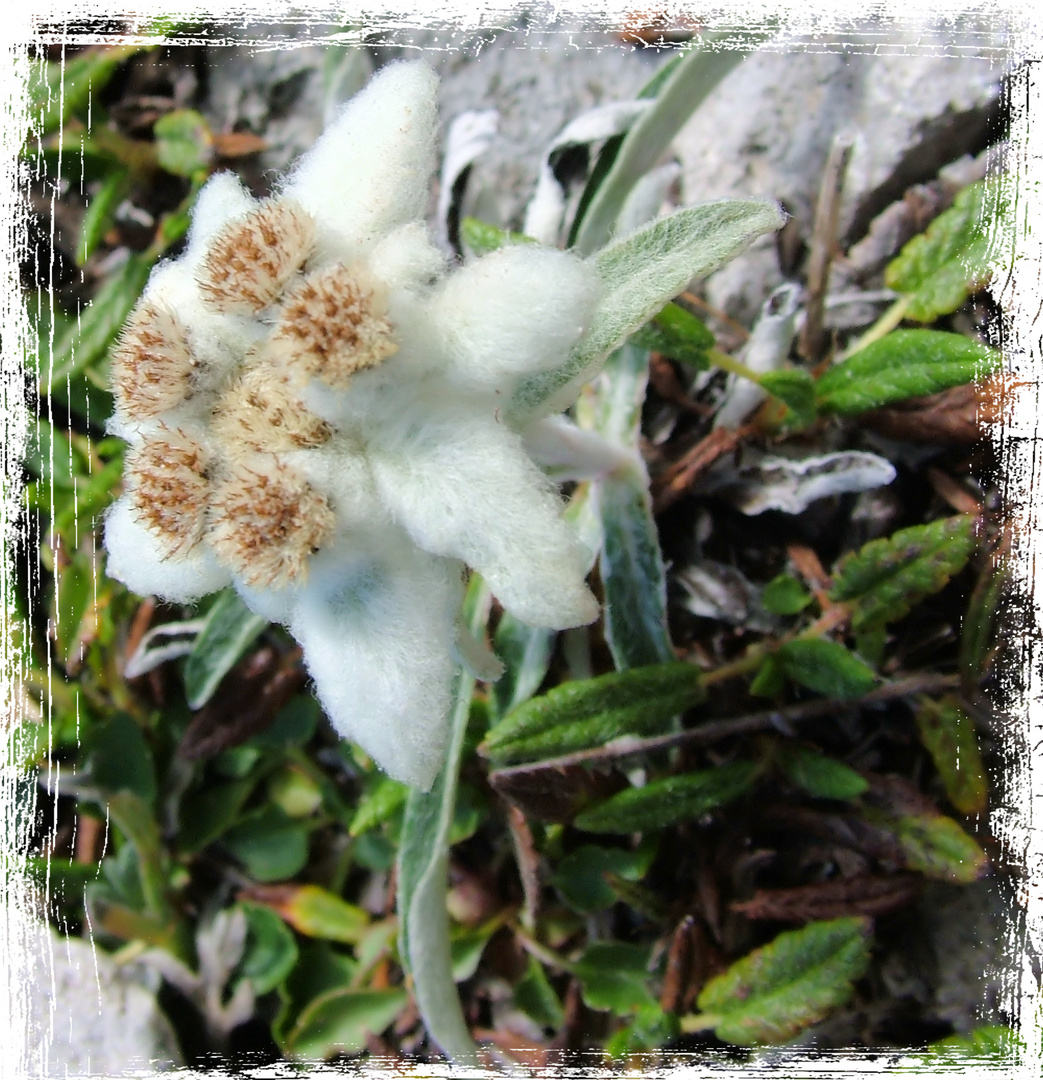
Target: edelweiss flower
[(313, 407)]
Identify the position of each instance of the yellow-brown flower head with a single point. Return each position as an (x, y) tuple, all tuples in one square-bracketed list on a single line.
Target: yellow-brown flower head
[(169, 488), (266, 520), (260, 412), (333, 324), (252, 259), (152, 364)]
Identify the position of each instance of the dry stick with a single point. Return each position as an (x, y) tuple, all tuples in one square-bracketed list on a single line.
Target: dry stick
[(823, 241), (714, 730), (528, 860), (670, 485)]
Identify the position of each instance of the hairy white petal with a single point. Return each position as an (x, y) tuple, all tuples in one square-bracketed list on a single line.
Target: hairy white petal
[(370, 170), (377, 629), (221, 198), (135, 559), (407, 258), (463, 486), (519, 310)]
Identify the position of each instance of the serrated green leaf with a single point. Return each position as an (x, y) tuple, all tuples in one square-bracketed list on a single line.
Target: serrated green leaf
[(939, 269), (949, 736), (825, 667), (785, 595), (270, 952), (339, 1021), (662, 803), (937, 847), (777, 991), (900, 365), (821, 776), (794, 388), (886, 578), (677, 333), (479, 237), (641, 701), (184, 142), (614, 976), (632, 572), (230, 629), (639, 274)]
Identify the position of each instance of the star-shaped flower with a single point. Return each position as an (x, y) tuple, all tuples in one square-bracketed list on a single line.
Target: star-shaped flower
[(315, 411)]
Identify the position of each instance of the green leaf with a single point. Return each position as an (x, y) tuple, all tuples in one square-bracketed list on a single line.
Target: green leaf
[(825, 667), (632, 572), (886, 578), (949, 736), (339, 1021), (779, 990), (270, 952), (318, 913), (675, 99), (423, 864), (900, 365), (821, 776), (939, 269), (184, 143), (785, 595), (614, 976), (576, 715), (378, 805), (209, 811), (769, 681), (101, 213), (794, 388), (481, 238), (467, 945), (580, 876), (60, 89), (119, 759), (230, 629), (525, 651), (677, 333), (988, 1044), (639, 274), (86, 340), (535, 996), (662, 803), (937, 847), (272, 846)]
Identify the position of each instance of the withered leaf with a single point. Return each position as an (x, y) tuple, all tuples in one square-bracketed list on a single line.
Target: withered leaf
[(866, 894)]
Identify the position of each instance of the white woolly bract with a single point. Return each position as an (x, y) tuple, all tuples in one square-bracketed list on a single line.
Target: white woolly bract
[(519, 310), (134, 557), (377, 634)]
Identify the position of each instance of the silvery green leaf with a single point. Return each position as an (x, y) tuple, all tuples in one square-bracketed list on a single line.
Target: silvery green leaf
[(526, 652), (161, 644), (639, 274), (567, 452), (766, 351), (345, 70), (777, 483), (468, 137), (682, 93), (224, 636), (545, 211), (423, 864), (716, 590)]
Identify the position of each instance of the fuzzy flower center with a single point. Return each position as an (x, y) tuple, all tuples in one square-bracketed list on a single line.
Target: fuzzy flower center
[(239, 495)]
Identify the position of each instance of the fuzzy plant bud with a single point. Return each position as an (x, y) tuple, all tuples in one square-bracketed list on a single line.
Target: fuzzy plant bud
[(349, 390)]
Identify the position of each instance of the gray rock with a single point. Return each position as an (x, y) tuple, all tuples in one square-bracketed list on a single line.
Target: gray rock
[(89, 1016), (767, 129)]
